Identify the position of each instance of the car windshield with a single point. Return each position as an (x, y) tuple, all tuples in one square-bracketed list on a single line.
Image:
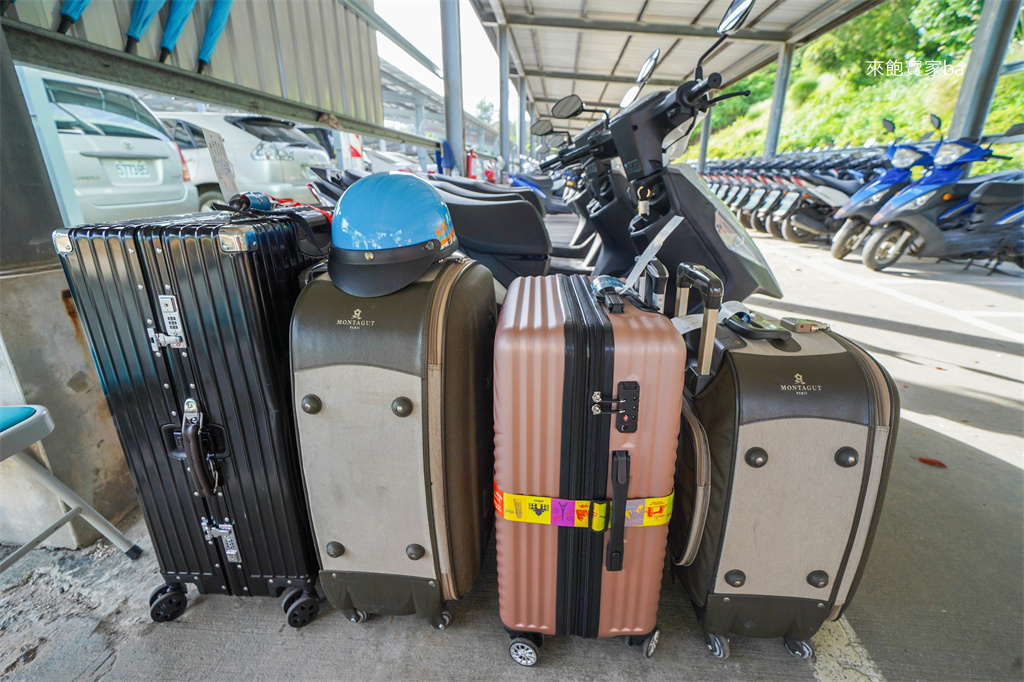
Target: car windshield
[(86, 110), (270, 130)]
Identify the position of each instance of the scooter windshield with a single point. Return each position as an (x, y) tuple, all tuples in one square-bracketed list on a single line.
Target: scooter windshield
[(733, 235)]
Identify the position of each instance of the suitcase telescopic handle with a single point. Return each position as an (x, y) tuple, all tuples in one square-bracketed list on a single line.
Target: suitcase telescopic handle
[(620, 488), (711, 292)]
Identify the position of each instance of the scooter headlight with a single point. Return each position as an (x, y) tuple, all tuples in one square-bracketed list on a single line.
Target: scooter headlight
[(905, 158), (875, 198), (924, 198), (949, 152)]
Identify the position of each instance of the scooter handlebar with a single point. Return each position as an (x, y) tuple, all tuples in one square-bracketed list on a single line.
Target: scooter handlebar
[(692, 95)]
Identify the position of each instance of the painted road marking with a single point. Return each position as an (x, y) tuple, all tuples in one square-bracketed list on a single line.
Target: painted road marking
[(969, 318), (1008, 448), (840, 656)]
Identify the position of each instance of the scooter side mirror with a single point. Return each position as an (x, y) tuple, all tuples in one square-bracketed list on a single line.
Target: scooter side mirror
[(629, 97), (542, 127), (648, 67), (936, 121), (735, 16), (557, 140), (1015, 129), (567, 107), (889, 126)]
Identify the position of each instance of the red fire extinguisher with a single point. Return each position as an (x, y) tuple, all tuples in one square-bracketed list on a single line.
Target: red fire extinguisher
[(471, 163)]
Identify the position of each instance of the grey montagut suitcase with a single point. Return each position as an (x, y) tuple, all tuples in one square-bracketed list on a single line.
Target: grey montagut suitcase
[(187, 319), (393, 413), (795, 426)]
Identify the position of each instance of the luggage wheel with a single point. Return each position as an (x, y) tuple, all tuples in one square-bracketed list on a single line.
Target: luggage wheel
[(443, 621), (167, 602), (523, 651), (650, 643), (356, 615), (799, 648), (717, 645), (301, 607)]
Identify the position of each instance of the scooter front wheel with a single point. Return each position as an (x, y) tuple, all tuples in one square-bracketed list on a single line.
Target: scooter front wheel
[(886, 246), (773, 227), (794, 234), (846, 238), (756, 222)]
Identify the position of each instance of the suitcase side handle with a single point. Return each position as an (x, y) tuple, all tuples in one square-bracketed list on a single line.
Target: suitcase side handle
[(620, 487), (711, 292), (192, 440), (702, 487)]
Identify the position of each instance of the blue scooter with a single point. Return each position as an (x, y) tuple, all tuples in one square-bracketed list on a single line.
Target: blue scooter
[(945, 216), (859, 209)]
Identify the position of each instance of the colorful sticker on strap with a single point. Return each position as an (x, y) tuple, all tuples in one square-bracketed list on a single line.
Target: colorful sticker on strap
[(553, 511)]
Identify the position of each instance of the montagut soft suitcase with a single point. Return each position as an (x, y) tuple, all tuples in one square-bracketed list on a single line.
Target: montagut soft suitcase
[(393, 408), (187, 318), (796, 430), (587, 396)]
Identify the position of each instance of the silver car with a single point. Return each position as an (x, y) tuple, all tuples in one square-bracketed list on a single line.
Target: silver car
[(267, 154), (122, 163)]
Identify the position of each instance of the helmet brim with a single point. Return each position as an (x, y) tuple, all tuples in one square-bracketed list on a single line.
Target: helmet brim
[(380, 276)]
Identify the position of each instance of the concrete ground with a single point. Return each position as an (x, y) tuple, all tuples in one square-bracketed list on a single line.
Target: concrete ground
[(941, 597)]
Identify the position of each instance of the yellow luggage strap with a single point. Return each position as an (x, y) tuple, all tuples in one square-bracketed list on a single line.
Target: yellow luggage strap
[(552, 511)]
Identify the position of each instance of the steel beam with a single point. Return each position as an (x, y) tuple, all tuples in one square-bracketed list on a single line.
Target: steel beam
[(373, 19), (635, 27), (598, 77), (602, 105), (785, 65), (705, 136), (521, 138), (991, 38), (451, 49), (52, 50), (504, 145)]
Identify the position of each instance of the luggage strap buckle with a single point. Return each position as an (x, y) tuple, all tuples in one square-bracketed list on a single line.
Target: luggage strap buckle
[(590, 514)]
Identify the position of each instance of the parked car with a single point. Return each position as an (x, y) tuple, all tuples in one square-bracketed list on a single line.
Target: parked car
[(267, 154), (122, 163)]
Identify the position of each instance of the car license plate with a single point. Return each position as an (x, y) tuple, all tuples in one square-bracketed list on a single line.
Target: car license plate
[(131, 169)]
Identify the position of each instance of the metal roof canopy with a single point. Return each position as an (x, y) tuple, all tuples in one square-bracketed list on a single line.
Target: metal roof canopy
[(595, 47)]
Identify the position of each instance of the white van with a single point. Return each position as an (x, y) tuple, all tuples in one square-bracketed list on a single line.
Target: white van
[(122, 163), (267, 154)]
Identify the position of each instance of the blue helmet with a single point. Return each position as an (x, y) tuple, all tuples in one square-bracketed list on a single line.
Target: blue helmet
[(388, 228)]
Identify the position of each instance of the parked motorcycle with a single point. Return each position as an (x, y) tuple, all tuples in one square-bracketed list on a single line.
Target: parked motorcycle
[(943, 215), (858, 211), (673, 203)]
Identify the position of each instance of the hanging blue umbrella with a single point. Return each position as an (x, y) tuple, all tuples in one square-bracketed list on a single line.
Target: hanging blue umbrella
[(177, 15), (214, 27), (70, 12), (143, 13)]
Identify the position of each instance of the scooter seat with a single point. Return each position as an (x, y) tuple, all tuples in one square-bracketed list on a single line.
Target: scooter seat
[(543, 181), (848, 187), (478, 196), (488, 188), (995, 193), (510, 228)]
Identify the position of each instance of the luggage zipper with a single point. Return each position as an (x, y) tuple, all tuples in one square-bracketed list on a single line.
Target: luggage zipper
[(444, 285)]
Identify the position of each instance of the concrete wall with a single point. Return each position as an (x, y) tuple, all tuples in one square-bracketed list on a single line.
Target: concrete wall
[(48, 362)]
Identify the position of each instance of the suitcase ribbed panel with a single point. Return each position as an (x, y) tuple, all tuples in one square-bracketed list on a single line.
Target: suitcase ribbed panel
[(234, 311), (650, 351), (111, 294), (529, 378), (230, 309)]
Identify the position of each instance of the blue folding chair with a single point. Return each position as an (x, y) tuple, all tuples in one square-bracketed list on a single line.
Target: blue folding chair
[(22, 426)]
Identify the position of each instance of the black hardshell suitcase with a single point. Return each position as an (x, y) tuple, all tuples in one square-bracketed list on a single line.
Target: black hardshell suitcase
[(792, 430), (187, 319)]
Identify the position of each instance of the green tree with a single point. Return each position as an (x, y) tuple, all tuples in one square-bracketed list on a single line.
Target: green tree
[(485, 111)]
